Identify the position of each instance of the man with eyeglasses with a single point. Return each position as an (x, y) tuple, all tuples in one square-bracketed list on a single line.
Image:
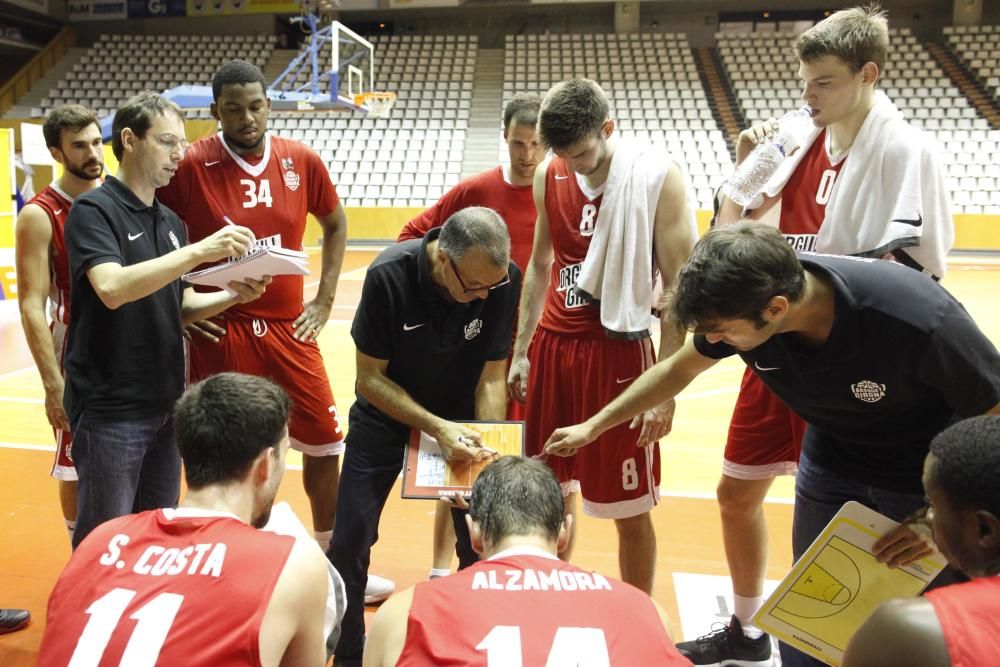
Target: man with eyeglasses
[(124, 353), (432, 331)]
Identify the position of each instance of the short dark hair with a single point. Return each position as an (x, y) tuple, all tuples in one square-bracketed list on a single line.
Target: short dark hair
[(516, 496), (237, 73), (572, 111), (73, 117), (476, 227), (733, 272), (856, 36), (967, 466), (522, 109), (137, 114), (223, 423)]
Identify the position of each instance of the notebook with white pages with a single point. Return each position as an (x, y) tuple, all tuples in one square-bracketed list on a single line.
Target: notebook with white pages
[(263, 260)]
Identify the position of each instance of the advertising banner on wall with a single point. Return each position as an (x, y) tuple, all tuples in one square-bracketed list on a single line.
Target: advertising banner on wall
[(96, 10), (154, 8), (230, 7)]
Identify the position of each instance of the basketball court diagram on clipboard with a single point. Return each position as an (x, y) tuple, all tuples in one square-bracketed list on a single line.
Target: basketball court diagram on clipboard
[(838, 583)]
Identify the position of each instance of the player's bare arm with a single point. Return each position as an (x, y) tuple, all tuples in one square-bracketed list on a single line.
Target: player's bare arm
[(199, 306), (899, 632), (117, 285), (33, 234), (673, 239), (291, 632), (316, 313), (491, 391), (663, 381), (387, 634), (457, 442), (536, 282)]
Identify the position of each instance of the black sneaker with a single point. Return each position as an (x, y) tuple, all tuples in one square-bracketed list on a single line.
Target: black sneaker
[(728, 646), (13, 619)]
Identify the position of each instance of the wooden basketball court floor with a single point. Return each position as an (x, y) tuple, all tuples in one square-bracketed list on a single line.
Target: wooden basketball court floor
[(34, 546)]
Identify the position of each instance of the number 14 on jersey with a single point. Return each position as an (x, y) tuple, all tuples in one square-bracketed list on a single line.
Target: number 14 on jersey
[(571, 647)]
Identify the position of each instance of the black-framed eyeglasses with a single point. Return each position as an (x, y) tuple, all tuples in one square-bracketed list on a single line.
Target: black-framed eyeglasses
[(473, 290)]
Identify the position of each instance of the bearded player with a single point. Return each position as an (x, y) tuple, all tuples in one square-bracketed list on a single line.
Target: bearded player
[(73, 136)]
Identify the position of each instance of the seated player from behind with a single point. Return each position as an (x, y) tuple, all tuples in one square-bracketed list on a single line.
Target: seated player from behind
[(197, 585), (956, 625), (522, 605)]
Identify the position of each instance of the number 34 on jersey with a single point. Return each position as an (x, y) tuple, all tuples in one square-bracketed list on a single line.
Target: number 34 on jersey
[(256, 193)]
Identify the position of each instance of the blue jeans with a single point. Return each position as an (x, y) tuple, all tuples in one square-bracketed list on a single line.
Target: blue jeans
[(124, 467), (819, 495)]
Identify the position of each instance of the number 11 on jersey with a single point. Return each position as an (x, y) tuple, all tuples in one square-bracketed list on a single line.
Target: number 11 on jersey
[(153, 621)]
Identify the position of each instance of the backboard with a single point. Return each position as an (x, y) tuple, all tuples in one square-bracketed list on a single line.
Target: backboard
[(352, 70)]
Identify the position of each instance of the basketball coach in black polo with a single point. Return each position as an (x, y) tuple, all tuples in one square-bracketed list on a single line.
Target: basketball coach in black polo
[(432, 331)]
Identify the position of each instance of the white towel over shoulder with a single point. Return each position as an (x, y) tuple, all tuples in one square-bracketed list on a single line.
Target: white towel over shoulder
[(890, 194), (618, 270)]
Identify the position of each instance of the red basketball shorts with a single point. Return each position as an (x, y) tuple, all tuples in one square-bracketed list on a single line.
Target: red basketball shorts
[(267, 348), (62, 467), (571, 379), (765, 436)]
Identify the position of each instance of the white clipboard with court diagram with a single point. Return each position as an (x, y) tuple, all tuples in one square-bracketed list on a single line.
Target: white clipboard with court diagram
[(837, 584)]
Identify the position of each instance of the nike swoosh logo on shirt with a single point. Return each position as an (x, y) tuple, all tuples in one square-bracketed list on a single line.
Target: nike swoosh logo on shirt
[(409, 327), (621, 381), (765, 368), (209, 164), (133, 237), (913, 223), (57, 212), (561, 178)]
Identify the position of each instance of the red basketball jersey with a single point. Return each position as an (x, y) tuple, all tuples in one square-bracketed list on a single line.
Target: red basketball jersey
[(969, 618), (514, 203), (572, 216), (56, 205), (165, 587), (804, 197), (270, 194), (526, 608)]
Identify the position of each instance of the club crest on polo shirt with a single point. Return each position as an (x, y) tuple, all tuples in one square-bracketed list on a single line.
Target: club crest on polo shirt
[(473, 328), (173, 239), (868, 391)]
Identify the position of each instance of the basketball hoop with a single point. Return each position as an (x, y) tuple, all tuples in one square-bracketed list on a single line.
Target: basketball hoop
[(378, 105)]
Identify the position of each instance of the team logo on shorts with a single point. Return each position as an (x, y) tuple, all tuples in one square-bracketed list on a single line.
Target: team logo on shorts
[(868, 391), (473, 328), (173, 239), (259, 328), (292, 180)]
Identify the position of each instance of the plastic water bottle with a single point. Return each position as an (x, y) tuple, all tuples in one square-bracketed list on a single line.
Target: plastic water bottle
[(758, 167)]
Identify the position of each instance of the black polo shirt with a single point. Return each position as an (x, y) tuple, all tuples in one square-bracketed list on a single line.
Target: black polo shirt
[(436, 349), (127, 363), (903, 361)]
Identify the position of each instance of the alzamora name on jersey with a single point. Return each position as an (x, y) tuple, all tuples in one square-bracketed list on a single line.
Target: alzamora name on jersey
[(537, 580)]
